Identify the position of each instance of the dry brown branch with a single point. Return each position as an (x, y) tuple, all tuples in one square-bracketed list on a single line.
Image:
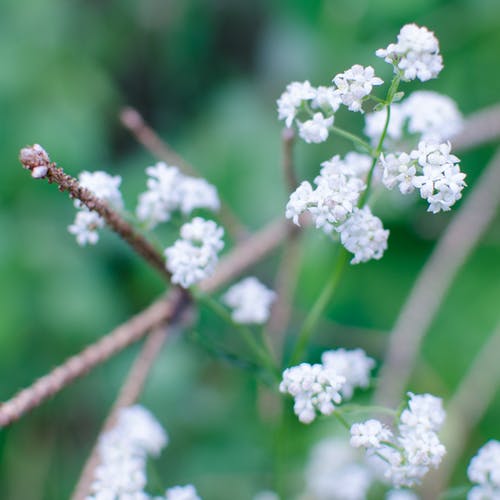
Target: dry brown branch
[(132, 120), (480, 128), (243, 256), (35, 158), (128, 395), (93, 355), (422, 304), (469, 403)]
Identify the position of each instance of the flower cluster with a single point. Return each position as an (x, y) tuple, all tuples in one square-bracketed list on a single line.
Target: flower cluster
[(350, 88), (187, 492), (170, 190), (123, 452), (484, 469), (353, 364), (415, 55), (318, 387), (87, 222), (427, 115), (314, 389), (405, 458), (432, 169), (251, 301), (194, 256), (337, 200)]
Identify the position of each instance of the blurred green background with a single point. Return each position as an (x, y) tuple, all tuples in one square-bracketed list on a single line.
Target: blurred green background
[(206, 74)]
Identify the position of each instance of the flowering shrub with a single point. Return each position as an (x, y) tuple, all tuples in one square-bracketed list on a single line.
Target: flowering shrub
[(406, 146)]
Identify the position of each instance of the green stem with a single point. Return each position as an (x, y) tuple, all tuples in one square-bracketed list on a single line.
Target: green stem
[(259, 351), (342, 420), (353, 138), (318, 308), (376, 153)]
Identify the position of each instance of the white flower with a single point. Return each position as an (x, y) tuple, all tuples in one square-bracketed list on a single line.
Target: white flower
[(299, 202), (353, 164), (194, 257), (441, 182), (314, 388), (197, 193), (316, 129), (484, 469), (123, 452), (170, 190), (334, 472), (415, 55), (398, 170), (326, 99), (85, 227), (363, 235), (103, 186), (408, 456), (355, 84), (251, 301), (435, 117), (354, 365), (182, 493), (424, 411), (292, 98), (369, 434)]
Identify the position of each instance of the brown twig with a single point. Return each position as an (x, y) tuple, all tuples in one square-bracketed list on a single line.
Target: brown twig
[(128, 395), (469, 403), (35, 159), (93, 355), (456, 244), (132, 120), (243, 256)]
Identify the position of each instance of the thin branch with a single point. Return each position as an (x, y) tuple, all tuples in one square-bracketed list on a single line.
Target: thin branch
[(93, 355), (480, 128), (287, 141), (132, 120), (35, 159), (128, 395), (470, 402), (421, 306), (160, 312)]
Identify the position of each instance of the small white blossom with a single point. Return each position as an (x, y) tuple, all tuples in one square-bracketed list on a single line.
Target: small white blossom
[(251, 301), (435, 117), (326, 99), (353, 164), (363, 235), (123, 452), (291, 100), (409, 455), (86, 226), (197, 193), (355, 84), (316, 129), (187, 492), (314, 388), (441, 182), (369, 434), (484, 469), (415, 55), (299, 202), (335, 472), (353, 364), (103, 186), (398, 170), (194, 257)]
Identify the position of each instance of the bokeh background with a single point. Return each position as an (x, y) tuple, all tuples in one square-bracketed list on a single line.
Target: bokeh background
[(206, 75)]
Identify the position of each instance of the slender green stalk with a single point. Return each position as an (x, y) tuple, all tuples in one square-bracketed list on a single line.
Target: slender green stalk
[(318, 308), (262, 355), (353, 138), (342, 420)]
